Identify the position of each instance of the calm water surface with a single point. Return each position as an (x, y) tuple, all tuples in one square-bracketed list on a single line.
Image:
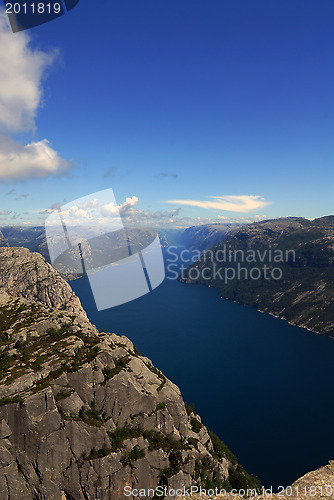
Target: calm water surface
[(265, 387)]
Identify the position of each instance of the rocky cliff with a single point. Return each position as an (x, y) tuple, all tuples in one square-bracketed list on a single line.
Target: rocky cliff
[(316, 485), (23, 274), (3, 241), (82, 413)]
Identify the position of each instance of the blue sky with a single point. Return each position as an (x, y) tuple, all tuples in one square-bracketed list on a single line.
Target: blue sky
[(220, 108)]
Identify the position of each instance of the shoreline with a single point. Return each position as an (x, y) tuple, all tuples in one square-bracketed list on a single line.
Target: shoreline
[(262, 311)]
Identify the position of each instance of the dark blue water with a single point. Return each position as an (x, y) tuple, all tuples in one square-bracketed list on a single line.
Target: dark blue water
[(265, 387)]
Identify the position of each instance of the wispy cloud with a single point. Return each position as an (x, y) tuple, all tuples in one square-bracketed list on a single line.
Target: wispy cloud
[(111, 172), (22, 70), (163, 175), (230, 203), (22, 196)]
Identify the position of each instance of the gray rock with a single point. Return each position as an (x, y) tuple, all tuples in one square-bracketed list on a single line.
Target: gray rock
[(91, 415), (71, 405), (25, 274)]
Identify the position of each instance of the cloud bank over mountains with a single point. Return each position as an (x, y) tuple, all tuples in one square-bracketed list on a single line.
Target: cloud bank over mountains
[(98, 212)]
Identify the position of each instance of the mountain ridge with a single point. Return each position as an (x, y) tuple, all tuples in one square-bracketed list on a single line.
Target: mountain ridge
[(303, 295)]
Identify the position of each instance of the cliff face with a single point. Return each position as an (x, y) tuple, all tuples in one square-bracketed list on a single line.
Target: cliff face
[(28, 275), (82, 413), (316, 485), (206, 236), (3, 241)]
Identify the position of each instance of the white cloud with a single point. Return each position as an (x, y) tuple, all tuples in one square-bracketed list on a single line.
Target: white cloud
[(109, 209), (96, 212), (91, 204), (124, 209), (36, 159), (231, 203), (20, 83), (128, 204), (22, 71), (73, 214), (79, 212), (133, 215)]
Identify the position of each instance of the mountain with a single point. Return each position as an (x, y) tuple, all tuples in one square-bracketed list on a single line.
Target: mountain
[(99, 250), (3, 242), (206, 236), (283, 267), (96, 250), (172, 236), (32, 237), (82, 413)]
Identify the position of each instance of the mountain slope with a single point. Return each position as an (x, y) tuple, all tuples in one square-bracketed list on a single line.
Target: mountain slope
[(3, 241), (82, 413), (98, 250), (302, 289), (206, 236)]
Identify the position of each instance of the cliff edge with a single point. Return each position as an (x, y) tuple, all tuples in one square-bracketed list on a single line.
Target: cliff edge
[(82, 413)]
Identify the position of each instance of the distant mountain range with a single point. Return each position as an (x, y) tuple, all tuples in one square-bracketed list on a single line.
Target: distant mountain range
[(97, 251), (300, 254), (209, 235), (206, 236), (300, 291), (32, 237)]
